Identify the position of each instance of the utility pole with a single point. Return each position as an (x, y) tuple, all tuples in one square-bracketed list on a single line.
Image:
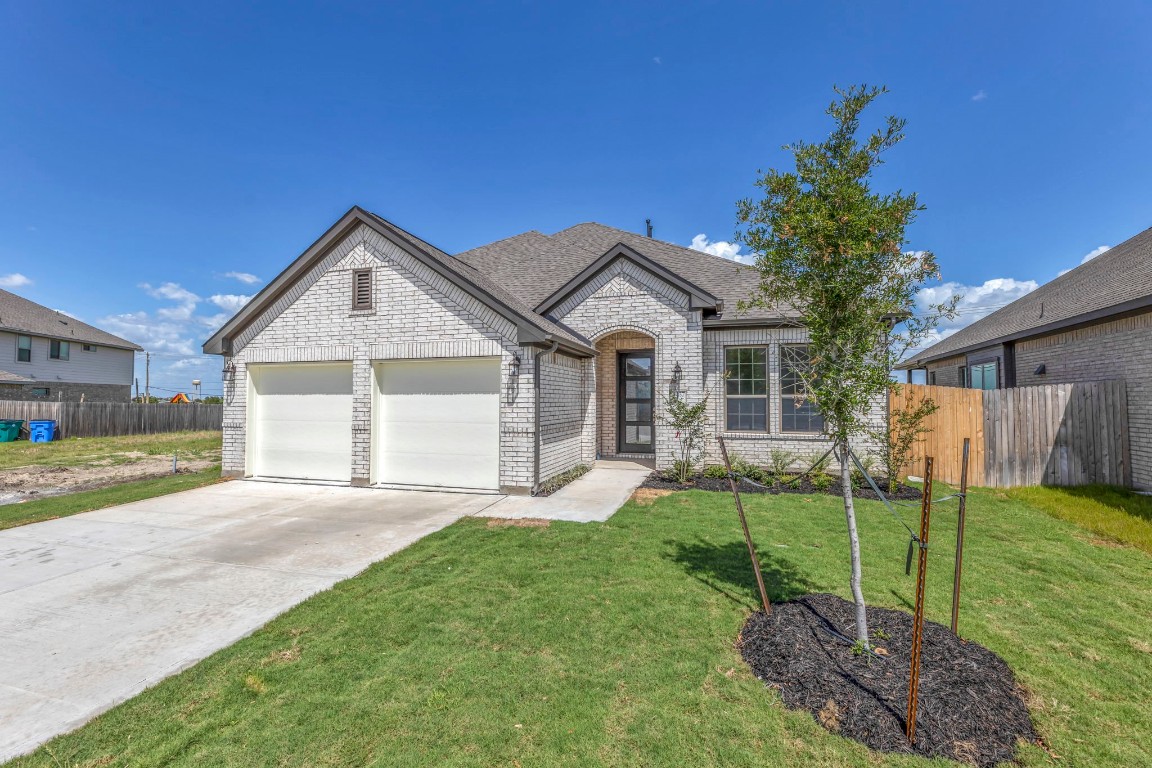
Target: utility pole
[(147, 377), (137, 387)]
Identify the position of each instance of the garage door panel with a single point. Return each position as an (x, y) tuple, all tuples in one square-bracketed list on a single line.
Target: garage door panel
[(438, 423), (302, 421)]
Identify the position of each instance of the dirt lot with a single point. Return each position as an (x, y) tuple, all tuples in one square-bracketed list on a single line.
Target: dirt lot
[(25, 483), (29, 471)]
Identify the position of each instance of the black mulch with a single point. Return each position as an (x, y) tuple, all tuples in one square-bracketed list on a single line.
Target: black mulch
[(805, 486), (970, 708)]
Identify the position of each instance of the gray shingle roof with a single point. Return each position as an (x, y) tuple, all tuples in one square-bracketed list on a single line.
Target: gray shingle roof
[(20, 315), (1117, 280), (483, 280), (534, 266), (7, 377)]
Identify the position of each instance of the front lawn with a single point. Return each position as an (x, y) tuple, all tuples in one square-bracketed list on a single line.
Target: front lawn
[(612, 645)]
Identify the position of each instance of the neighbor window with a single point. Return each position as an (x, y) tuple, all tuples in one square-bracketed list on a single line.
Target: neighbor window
[(88, 347), (963, 374), (798, 412), (746, 382), (24, 349), (58, 350), (40, 392), (983, 375), (361, 289)]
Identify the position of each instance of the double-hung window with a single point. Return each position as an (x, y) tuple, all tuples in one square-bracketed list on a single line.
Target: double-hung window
[(24, 349), (58, 350), (746, 383), (798, 412)]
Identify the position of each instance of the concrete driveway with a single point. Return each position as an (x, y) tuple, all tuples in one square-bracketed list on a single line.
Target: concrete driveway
[(97, 607)]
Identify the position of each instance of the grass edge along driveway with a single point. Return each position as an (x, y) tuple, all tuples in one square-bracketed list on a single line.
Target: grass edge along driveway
[(52, 507), (612, 644)]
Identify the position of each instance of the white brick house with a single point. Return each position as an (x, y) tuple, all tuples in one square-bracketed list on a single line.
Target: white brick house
[(375, 358)]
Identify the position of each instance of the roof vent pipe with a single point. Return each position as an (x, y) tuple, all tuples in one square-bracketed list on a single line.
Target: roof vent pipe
[(648, 224)]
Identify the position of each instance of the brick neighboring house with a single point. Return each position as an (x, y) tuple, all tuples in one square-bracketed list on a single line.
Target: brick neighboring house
[(1090, 324), (48, 355), (376, 358)]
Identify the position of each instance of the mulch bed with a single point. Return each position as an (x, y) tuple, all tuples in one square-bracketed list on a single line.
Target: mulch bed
[(805, 486), (970, 707)]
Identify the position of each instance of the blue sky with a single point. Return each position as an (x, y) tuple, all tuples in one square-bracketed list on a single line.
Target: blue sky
[(150, 154)]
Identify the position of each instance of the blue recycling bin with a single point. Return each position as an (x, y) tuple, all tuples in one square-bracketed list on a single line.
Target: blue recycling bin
[(42, 431)]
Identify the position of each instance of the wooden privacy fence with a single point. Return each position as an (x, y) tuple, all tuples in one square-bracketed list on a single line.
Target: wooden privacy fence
[(1054, 434), (110, 419)]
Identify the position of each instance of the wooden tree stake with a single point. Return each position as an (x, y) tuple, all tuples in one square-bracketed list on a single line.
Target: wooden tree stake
[(744, 525), (918, 618)]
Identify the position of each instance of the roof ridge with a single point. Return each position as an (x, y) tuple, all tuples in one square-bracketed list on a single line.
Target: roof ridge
[(686, 248)]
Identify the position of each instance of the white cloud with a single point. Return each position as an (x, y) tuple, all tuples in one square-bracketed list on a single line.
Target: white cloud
[(1089, 256), (230, 302), (976, 301), (1094, 253), (245, 277), (721, 248), (980, 95), (14, 280)]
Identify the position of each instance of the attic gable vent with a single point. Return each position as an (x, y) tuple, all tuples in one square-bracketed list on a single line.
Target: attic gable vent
[(362, 289)]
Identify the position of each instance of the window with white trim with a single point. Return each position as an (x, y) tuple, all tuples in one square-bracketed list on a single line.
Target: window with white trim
[(798, 412), (746, 389), (24, 349)]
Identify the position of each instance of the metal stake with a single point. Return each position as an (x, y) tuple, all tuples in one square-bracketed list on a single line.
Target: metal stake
[(744, 525), (960, 540), (918, 618)]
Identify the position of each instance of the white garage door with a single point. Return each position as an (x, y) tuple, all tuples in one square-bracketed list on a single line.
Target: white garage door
[(301, 421), (438, 423)]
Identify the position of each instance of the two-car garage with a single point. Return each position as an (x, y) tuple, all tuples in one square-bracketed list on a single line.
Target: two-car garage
[(433, 423)]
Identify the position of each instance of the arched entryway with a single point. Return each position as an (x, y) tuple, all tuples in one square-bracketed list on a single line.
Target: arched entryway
[(626, 394)]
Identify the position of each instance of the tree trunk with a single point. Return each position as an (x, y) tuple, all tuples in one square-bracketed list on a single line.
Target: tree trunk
[(854, 545)]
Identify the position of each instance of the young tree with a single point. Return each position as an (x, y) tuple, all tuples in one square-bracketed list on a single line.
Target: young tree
[(832, 250)]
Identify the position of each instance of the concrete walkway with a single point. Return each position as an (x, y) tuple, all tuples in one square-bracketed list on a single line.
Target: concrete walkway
[(97, 607), (593, 497)]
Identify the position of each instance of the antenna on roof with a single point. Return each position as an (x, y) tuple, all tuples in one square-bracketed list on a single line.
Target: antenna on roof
[(648, 223)]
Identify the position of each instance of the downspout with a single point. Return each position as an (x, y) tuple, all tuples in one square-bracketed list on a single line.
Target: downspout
[(536, 401)]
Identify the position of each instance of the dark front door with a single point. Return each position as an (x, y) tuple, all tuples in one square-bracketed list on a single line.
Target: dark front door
[(635, 431)]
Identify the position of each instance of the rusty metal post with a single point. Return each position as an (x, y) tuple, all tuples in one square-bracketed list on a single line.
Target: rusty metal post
[(960, 540), (744, 525), (918, 618)]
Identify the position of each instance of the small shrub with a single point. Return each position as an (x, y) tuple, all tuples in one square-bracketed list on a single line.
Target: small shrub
[(750, 471), (820, 464), (781, 462), (715, 471), (681, 471), (821, 481)]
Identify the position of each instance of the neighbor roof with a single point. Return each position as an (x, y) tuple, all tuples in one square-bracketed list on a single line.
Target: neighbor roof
[(19, 315), (1117, 281), (7, 377)]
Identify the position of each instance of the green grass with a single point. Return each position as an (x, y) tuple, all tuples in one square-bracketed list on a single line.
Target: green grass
[(82, 450), (612, 645), (1115, 513), (12, 515)]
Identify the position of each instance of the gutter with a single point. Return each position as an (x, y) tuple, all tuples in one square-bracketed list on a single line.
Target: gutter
[(536, 407)]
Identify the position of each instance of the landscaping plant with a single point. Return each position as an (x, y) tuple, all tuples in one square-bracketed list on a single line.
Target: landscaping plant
[(834, 251), (905, 428), (688, 422)]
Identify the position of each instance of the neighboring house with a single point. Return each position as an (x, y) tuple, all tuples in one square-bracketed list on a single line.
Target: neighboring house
[(48, 355), (376, 358), (1090, 324)]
